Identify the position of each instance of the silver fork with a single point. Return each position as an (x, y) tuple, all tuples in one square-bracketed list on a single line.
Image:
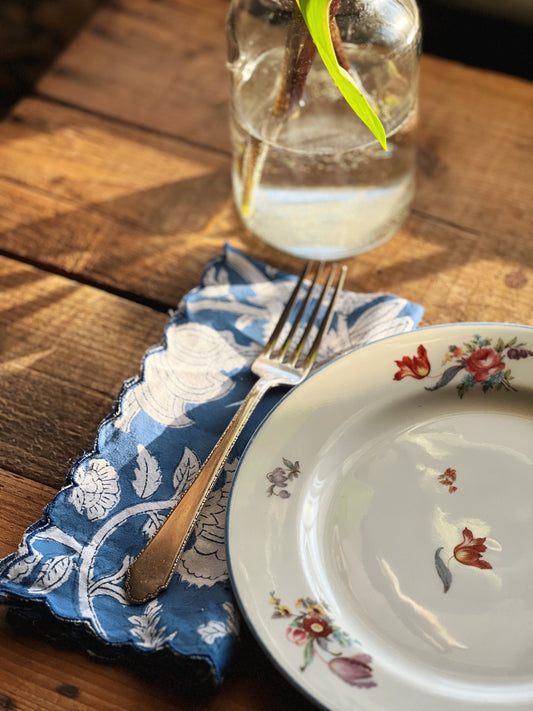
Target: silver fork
[(288, 365)]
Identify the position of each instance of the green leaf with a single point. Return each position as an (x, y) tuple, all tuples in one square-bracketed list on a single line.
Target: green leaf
[(316, 16), (309, 653)]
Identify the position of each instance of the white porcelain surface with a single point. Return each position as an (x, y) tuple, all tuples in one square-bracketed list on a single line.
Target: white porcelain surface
[(394, 572)]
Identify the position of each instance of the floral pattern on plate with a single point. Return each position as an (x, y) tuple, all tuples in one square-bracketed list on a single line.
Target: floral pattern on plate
[(279, 476), (477, 361), (382, 459), (312, 628), (468, 552), (449, 479)]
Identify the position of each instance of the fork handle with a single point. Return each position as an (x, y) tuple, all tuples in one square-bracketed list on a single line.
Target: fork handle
[(150, 573)]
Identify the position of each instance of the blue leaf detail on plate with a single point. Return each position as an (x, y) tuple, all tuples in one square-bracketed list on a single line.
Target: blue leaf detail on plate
[(448, 375), (443, 570)]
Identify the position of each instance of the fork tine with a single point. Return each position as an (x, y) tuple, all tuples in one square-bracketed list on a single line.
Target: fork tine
[(327, 318), (286, 312), (301, 311), (292, 360)]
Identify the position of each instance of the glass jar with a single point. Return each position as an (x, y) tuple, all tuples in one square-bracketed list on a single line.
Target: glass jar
[(308, 177)]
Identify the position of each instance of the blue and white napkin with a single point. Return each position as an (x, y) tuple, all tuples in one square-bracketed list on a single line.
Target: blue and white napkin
[(67, 577)]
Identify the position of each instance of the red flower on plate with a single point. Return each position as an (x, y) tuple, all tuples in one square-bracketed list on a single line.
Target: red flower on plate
[(448, 479), (312, 629), (483, 363), (470, 550), (416, 367), (316, 627)]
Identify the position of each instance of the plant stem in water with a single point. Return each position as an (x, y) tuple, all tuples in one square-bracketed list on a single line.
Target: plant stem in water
[(255, 153), (300, 52)]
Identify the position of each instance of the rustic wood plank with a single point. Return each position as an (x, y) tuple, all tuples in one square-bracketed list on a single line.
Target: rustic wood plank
[(21, 503), (35, 676), (457, 276), (474, 135), (107, 203), (112, 205), (172, 54), (147, 211), (66, 349)]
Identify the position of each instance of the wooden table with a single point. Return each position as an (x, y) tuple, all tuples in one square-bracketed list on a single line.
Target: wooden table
[(115, 192)]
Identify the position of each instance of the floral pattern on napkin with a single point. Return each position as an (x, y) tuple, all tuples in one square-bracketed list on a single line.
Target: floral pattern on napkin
[(73, 562)]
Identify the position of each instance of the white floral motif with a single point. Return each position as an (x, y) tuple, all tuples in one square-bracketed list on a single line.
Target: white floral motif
[(212, 276), (205, 563), (382, 317), (147, 627), (23, 567), (186, 472), (54, 573), (255, 318), (266, 305), (147, 473), (244, 266), (192, 369), (113, 585), (216, 629), (53, 533), (97, 490), (153, 523), (213, 630)]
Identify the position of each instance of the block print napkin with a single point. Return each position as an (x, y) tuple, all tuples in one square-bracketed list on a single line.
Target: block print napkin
[(67, 578)]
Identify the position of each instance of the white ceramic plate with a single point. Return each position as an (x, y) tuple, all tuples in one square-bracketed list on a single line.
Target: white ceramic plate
[(381, 524)]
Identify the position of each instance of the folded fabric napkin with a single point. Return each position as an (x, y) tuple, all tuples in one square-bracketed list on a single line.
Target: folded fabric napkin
[(67, 579)]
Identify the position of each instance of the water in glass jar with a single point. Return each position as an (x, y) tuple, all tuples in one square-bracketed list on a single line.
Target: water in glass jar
[(323, 186)]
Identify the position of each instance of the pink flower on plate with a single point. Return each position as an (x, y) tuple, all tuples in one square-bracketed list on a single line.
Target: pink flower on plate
[(355, 671), (296, 635), (483, 363)]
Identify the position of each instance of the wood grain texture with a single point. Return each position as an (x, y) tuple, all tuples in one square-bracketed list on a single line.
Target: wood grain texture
[(37, 677), (66, 349), (131, 211), (475, 134), (117, 207), (171, 54), (21, 503)]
